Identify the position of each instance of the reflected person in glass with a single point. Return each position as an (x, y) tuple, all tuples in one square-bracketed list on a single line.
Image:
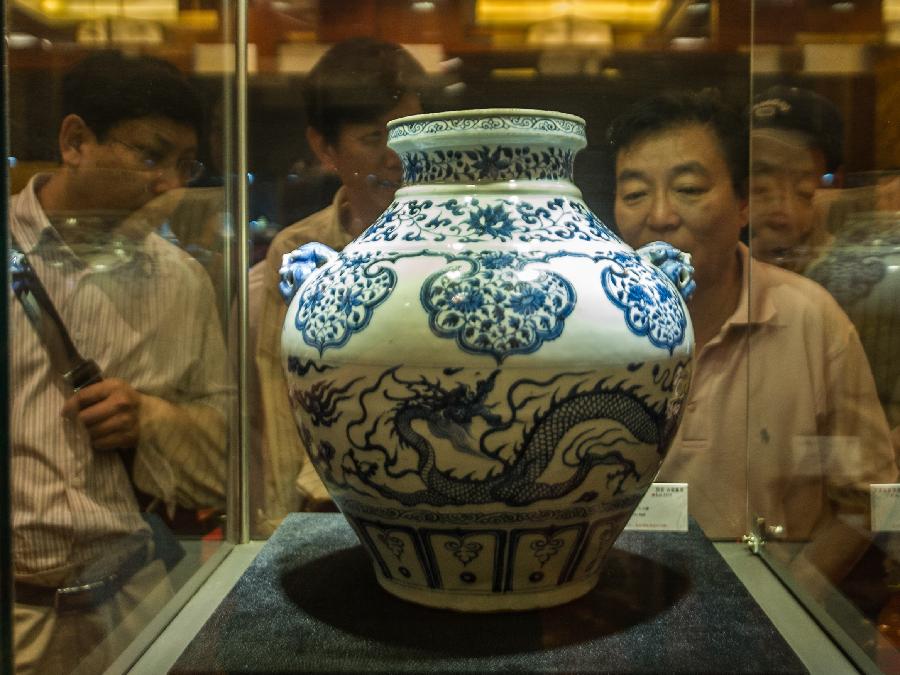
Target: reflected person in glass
[(783, 422), (150, 419), (804, 219), (796, 151), (351, 94)]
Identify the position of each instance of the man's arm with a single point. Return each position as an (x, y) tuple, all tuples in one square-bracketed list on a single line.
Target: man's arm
[(180, 454), (177, 429), (182, 459)]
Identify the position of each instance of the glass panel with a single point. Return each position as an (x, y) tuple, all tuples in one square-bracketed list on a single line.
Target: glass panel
[(6, 602), (824, 159), (121, 160)]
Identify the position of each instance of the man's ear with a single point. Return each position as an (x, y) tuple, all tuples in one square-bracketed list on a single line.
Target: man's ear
[(322, 148), (73, 134)]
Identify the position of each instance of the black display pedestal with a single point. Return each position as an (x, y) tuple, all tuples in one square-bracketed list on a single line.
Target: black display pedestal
[(310, 603)]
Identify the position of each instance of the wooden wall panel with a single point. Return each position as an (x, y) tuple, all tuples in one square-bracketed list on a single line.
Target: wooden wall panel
[(887, 111), (394, 20)]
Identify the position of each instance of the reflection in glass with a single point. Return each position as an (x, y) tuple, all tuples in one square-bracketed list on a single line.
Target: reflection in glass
[(822, 206), (118, 369), (835, 224)]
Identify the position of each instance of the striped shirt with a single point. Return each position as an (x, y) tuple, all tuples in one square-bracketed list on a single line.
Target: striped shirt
[(150, 320)]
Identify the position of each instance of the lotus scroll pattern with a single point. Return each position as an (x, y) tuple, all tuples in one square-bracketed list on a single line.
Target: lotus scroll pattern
[(474, 220), (341, 301), (497, 307), (647, 298), (487, 163)]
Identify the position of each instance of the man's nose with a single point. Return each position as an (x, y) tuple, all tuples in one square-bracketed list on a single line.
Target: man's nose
[(779, 203), (662, 215)]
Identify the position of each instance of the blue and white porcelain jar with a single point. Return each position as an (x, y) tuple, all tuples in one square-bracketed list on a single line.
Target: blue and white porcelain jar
[(488, 378)]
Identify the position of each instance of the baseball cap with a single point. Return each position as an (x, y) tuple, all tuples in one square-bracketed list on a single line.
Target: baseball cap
[(802, 110)]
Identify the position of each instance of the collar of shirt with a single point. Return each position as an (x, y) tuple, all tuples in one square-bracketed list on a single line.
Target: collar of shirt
[(29, 224), (755, 306)]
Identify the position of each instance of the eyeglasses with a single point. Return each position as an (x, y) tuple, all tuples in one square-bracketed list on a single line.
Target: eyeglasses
[(154, 160)]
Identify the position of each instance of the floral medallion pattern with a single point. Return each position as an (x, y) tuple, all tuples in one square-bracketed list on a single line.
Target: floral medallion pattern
[(490, 304), (647, 298), (849, 275), (858, 259), (474, 220), (341, 301), (487, 163)]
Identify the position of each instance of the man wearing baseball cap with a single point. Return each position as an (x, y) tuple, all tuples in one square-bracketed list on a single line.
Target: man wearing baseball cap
[(796, 151)]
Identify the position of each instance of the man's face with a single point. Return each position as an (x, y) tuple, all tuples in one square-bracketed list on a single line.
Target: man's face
[(370, 170), (675, 186), (785, 173), (135, 161)]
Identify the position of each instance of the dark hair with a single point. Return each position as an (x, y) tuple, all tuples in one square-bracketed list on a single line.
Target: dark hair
[(108, 87), (357, 81), (677, 109), (804, 111)]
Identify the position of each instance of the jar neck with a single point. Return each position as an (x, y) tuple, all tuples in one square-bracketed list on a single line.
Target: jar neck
[(488, 163)]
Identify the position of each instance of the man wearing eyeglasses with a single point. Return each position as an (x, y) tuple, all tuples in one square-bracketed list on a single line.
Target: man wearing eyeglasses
[(151, 417)]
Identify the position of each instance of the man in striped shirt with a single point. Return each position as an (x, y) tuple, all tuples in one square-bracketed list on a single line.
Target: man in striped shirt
[(146, 313)]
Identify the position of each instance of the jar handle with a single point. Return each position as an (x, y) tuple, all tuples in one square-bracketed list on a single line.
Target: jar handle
[(297, 265), (675, 264)]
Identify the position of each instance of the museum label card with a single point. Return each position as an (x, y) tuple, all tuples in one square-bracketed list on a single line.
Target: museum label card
[(664, 508), (885, 507)]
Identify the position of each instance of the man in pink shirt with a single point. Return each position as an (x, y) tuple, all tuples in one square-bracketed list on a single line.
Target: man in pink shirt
[(783, 432)]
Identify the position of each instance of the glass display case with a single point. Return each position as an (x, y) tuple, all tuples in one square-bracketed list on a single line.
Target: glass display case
[(162, 513)]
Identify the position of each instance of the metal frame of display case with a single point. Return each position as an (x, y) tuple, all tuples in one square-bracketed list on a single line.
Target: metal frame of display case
[(819, 641), (832, 622), (6, 656), (238, 521)]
